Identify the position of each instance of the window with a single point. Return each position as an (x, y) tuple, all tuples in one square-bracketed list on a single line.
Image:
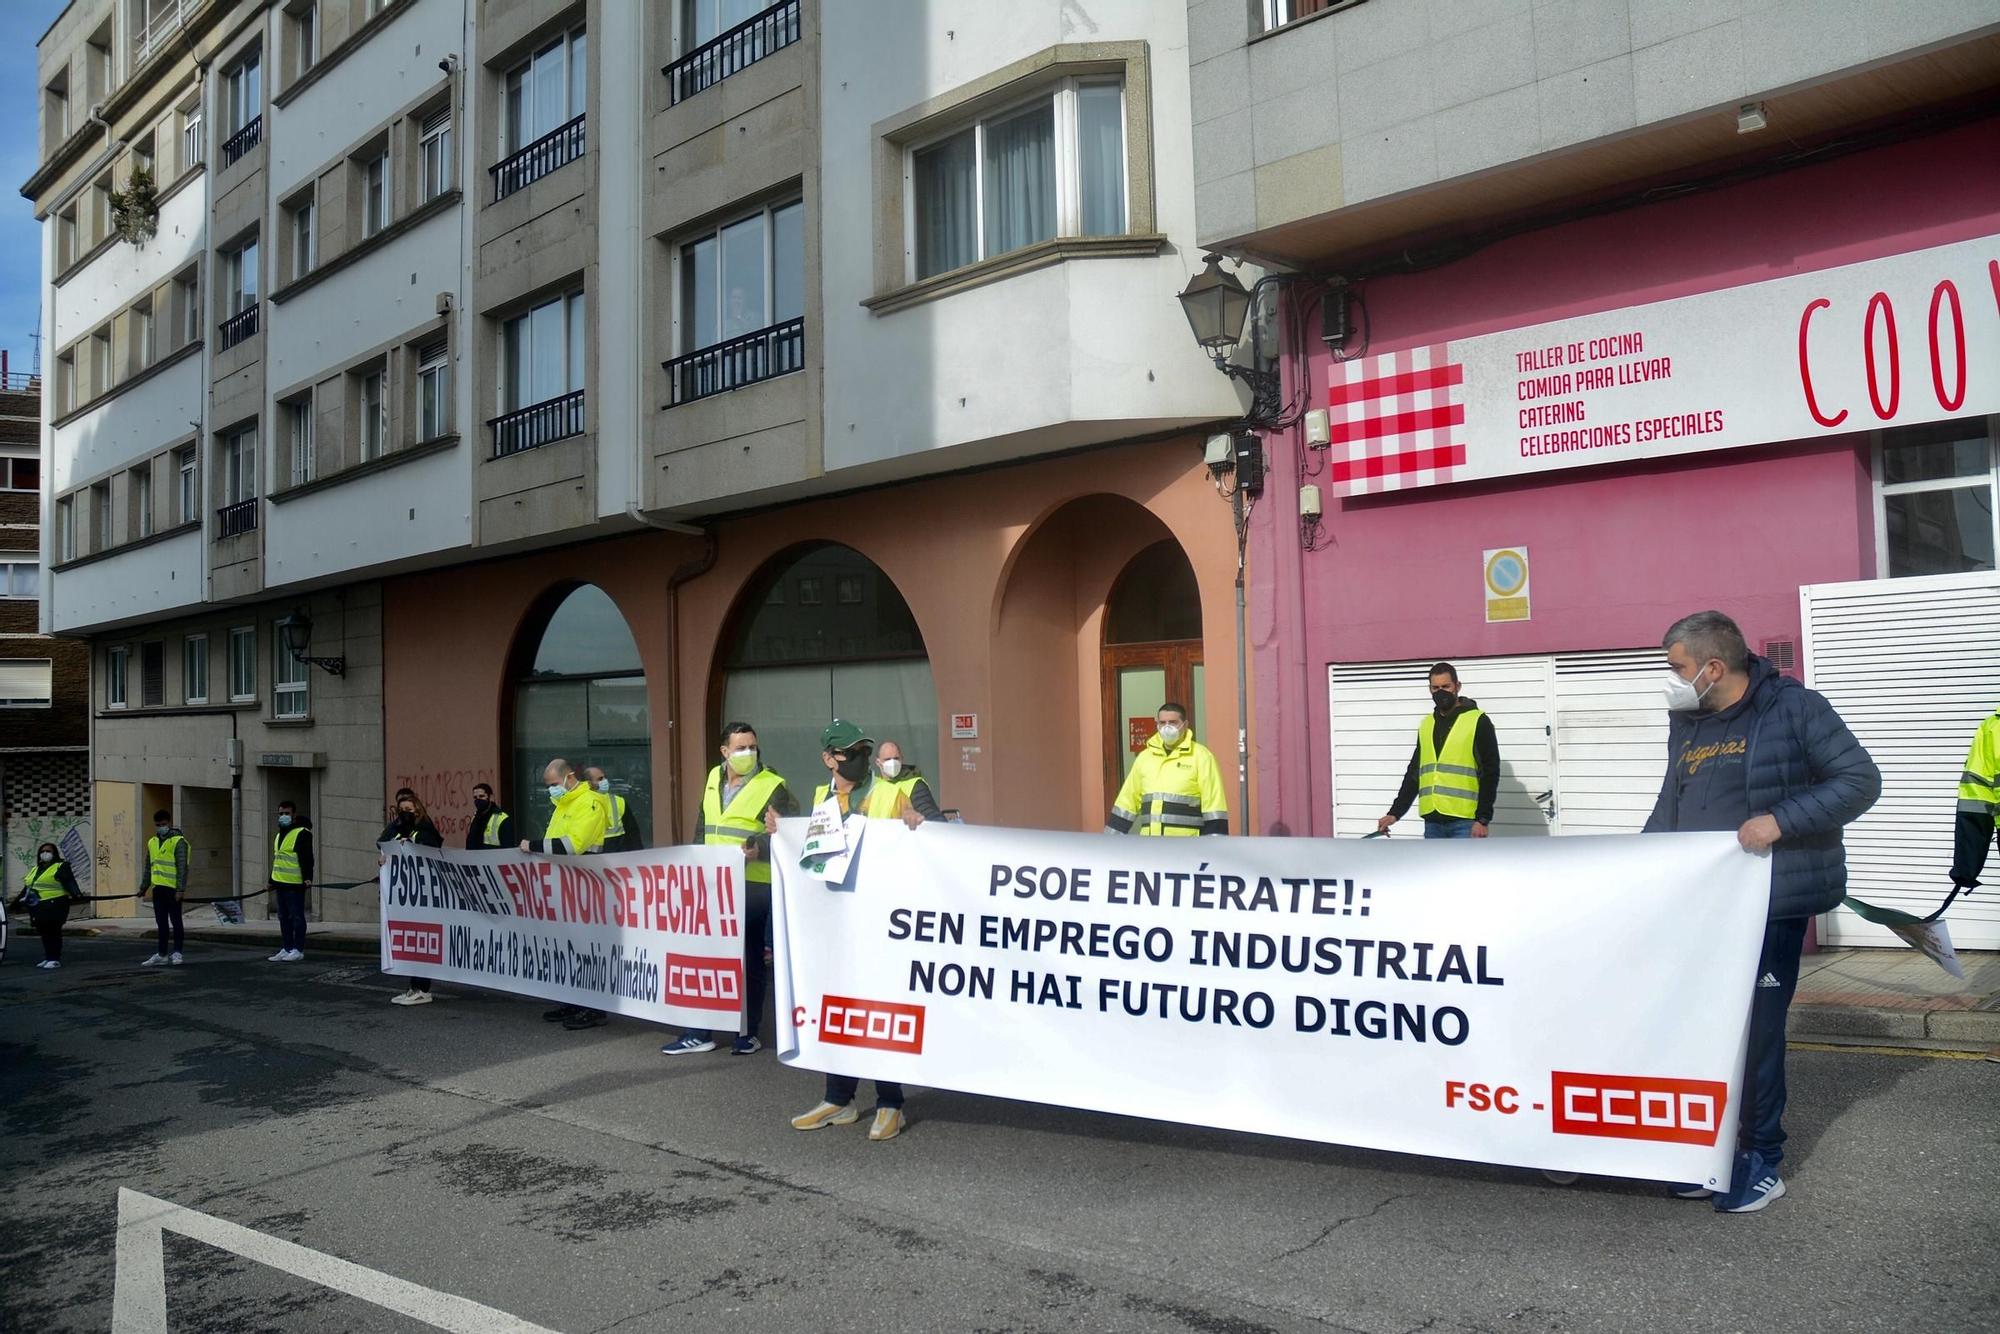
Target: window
[(847, 589), (304, 24), (100, 208), (374, 414), (743, 277), (100, 515), (20, 579), (240, 271), (145, 349), (542, 353), (810, 591), (243, 663), (1277, 13), (375, 194), (433, 391), (435, 151), (545, 92), (304, 256), (55, 113), (192, 145), (702, 21), (194, 669), (66, 528), (289, 687), (1934, 496), (26, 683), (187, 299), (116, 668), (242, 93), (100, 362), (20, 474), (66, 394), (142, 499), (1052, 167), (190, 491), (153, 674), (66, 251), (299, 438), (239, 466)]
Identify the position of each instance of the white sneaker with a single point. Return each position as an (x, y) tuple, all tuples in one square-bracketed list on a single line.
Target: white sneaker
[(48, 963), (155, 961), (411, 998), (282, 956), (294, 956), (175, 957)]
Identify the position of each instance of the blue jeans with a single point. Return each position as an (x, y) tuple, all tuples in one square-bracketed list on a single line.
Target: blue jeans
[(1446, 826), (291, 917), (840, 1090), (1760, 1127)]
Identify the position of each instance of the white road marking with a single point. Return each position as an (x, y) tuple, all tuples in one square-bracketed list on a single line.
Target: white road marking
[(139, 1292)]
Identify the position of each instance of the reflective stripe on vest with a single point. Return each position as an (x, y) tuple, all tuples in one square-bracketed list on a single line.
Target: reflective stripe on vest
[(285, 858), (744, 817), (1979, 785), (490, 836), (163, 870), (884, 800), (43, 882), (615, 827), (1448, 784)]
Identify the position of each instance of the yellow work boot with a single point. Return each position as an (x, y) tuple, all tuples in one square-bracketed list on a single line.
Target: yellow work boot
[(826, 1114), (889, 1123)]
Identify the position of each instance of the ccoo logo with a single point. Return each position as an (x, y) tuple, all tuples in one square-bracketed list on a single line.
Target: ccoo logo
[(1648, 1107), (882, 1025), (704, 983), (416, 942)]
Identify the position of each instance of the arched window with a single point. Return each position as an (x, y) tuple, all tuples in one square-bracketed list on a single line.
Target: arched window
[(583, 698), (1152, 650), (821, 634)]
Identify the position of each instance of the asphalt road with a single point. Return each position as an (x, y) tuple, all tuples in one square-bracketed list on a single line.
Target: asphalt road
[(583, 1182)]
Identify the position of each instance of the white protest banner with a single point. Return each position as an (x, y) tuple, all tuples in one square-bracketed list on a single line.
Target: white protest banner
[(1893, 341), (1579, 1004), (655, 935)]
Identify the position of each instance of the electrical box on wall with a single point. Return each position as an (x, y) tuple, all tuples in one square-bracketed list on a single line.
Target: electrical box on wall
[(1318, 434), (1249, 463), (1309, 505)]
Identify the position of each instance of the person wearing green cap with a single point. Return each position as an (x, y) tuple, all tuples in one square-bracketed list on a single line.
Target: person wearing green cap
[(846, 750)]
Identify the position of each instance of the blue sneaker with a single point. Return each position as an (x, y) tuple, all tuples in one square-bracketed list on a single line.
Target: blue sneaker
[(1754, 1186), (688, 1045), (745, 1046)]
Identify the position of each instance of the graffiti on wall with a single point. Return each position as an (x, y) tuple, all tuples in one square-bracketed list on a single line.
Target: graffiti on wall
[(447, 794), (70, 834)]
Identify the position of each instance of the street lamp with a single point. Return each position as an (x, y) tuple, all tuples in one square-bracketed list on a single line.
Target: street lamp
[(297, 630), (1216, 304)]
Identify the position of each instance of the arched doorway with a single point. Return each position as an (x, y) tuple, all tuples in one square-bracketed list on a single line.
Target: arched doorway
[(823, 633), (581, 695), (1151, 653)]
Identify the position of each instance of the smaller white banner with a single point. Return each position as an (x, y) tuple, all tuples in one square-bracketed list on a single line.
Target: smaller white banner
[(655, 935)]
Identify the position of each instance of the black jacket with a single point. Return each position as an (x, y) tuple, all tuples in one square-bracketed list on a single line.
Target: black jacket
[(426, 834), (475, 833), (1485, 757)]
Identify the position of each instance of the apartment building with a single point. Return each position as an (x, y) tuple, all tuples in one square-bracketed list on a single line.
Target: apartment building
[(1602, 313), (559, 378)]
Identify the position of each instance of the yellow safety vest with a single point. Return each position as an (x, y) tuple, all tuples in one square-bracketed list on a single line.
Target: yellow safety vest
[(885, 801), (743, 819), (1448, 784), (579, 818), (491, 836), (1979, 785), (163, 871), (1172, 793), (43, 882), (614, 822), (285, 858)]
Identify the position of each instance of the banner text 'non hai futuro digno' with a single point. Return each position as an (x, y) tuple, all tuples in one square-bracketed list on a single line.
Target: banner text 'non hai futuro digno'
[(1573, 1004)]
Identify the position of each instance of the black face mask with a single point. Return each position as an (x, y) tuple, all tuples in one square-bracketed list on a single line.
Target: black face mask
[(1444, 699), (480, 803), (406, 817), (853, 767)]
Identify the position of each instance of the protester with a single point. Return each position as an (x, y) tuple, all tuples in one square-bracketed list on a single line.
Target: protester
[(1978, 805), (1758, 754), (622, 832), (1175, 788), (906, 778), (412, 824), (576, 828), (845, 750), (50, 889), (291, 872), (1454, 773), (166, 880), (491, 827)]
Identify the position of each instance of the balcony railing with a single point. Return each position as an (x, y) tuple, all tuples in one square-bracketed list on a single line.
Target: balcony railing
[(557, 148), (742, 46), (241, 142), (238, 326), (155, 21), (236, 520), (538, 424), (763, 355)]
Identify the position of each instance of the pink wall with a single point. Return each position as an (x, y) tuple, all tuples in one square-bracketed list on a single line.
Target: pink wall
[(1618, 552)]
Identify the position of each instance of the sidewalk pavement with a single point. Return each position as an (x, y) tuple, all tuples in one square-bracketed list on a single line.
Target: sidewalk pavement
[(1886, 997)]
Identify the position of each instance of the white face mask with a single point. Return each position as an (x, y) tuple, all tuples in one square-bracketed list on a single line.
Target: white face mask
[(1171, 734), (742, 762), (1682, 697), (556, 790), (604, 785), (890, 768)]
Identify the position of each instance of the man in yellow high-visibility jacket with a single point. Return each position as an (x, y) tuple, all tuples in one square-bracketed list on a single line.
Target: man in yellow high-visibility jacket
[(1454, 772), (1978, 804), (1175, 788), (166, 880)]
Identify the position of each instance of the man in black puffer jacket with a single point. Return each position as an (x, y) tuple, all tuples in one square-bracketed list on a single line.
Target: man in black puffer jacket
[(1757, 753)]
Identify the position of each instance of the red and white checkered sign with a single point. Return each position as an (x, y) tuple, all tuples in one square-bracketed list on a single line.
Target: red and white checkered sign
[(1396, 421)]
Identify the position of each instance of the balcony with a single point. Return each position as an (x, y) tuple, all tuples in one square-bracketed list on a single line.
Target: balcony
[(557, 148), (238, 327), (236, 520), (241, 142), (538, 424), (155, 22), (742, 46), (721, 367)]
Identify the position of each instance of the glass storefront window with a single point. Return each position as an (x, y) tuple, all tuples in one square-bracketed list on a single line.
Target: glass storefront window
[(1935, 491), (584, 699)]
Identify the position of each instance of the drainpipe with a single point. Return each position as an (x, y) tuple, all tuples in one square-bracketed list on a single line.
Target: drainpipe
[(235, 813), (688, 570)]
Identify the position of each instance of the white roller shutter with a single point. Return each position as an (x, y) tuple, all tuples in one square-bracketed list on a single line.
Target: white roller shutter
[(1913, 666), (1611, 740), (25, 682)]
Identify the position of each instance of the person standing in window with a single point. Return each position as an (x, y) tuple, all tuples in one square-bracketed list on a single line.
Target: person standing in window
[(166, 880), (410, 824), (291, 872), (51, 888), (1454, 773)]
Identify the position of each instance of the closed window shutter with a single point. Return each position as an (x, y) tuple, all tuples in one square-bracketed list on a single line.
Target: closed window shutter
[(25, 681), (152, 674), (1913, 667)]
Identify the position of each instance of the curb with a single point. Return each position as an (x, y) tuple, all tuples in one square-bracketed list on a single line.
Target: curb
[(315, 944), (1845, 1023)]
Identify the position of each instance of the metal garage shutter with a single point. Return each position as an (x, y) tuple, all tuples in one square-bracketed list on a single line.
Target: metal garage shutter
[(1913, 665), (1374, 708), (1611, 740)]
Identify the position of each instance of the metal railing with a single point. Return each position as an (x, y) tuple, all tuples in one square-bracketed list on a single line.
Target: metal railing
[(537, 424), (716, 369), (238, 327), (557, 148), (236, 520), (742, 46), (241, 142), (156, 21)]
